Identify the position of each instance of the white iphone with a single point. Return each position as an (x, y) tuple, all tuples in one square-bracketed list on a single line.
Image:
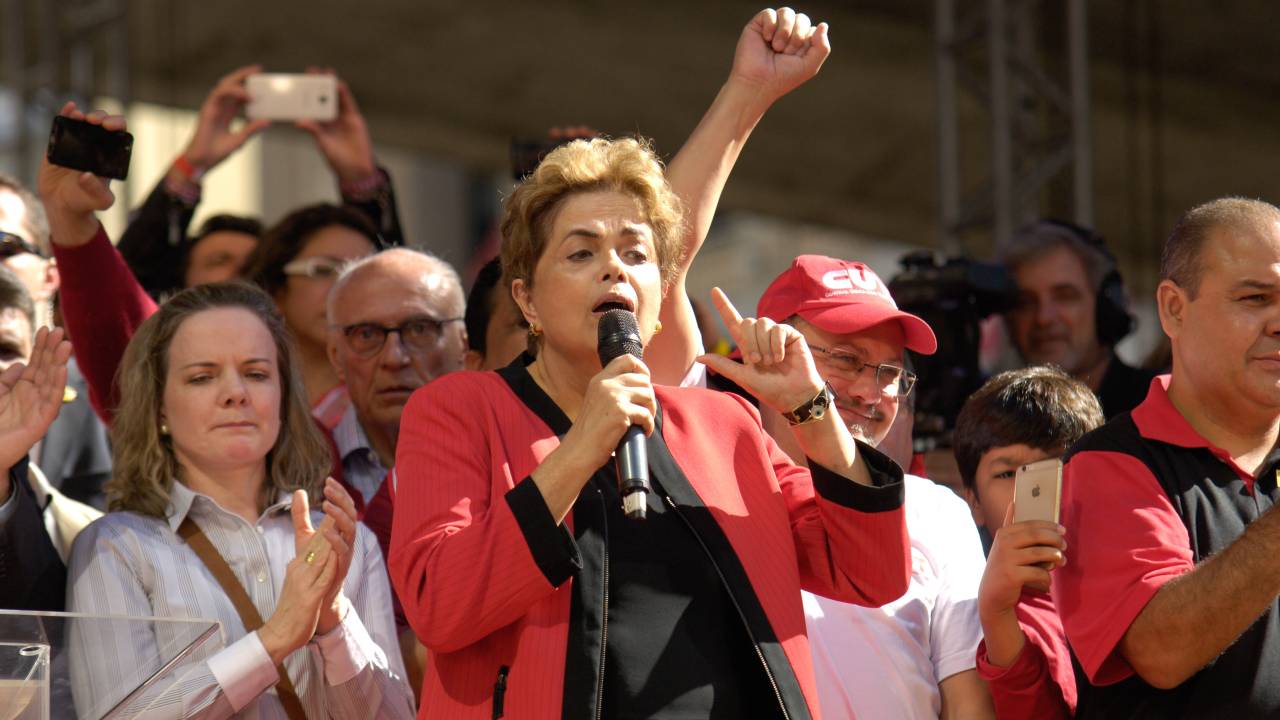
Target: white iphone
[(1037, 491), (278, 96)]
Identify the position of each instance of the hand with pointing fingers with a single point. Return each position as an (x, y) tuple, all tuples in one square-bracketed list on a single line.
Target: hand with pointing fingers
[(776, 366)]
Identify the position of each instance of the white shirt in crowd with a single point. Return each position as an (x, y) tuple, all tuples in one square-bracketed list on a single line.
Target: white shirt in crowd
[(886, 663), (130, 564)]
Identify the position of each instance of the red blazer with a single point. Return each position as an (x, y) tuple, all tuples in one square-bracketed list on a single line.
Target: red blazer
[(480, 586)]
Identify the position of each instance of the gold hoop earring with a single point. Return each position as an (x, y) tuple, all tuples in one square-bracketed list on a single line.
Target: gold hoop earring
[(657, 328), (534, 331)]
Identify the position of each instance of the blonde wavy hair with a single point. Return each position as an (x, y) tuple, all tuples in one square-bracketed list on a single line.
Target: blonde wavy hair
[(625, 165), (144, 464)]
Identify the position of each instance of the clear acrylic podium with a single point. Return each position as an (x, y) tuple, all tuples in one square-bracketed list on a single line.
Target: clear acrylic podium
[(37, 680)]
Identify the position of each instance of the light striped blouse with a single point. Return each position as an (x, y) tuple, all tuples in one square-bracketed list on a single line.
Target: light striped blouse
[(129, 564)]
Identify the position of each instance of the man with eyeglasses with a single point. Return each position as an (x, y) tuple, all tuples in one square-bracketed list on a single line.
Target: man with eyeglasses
[(395, 324), (912, 658)]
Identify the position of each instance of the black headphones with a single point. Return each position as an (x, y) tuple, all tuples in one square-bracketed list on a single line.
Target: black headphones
[(1112, 318)]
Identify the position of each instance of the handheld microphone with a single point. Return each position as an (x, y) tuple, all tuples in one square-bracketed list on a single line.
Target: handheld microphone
[(618, 334)]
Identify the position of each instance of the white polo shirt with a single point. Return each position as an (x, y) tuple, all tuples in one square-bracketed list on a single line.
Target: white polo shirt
[(886, 663)]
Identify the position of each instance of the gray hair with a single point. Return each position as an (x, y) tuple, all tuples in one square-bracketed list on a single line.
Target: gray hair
[(36, 220), (1040, 238), (14, 295), (439, 277)]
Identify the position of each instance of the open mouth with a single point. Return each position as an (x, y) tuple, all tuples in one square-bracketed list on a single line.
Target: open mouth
[(613, 302)]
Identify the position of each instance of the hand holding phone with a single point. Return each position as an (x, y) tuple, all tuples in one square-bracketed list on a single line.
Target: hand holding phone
[(282, 96), (87, 146), (71, 195), (1037, 491)]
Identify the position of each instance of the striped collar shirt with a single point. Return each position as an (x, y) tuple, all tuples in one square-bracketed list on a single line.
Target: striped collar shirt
[(135, 565), (361, 467)]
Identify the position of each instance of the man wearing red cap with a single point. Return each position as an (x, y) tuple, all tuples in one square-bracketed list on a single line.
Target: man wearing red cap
[(913, 658)]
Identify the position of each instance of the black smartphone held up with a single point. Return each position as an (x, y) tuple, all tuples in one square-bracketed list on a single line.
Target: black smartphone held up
[(81, 145)]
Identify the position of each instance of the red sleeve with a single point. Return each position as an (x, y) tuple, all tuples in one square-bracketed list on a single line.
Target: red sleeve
[(469, 552), (851, 539), (102, 305), (1124, 541), (1040, 683)]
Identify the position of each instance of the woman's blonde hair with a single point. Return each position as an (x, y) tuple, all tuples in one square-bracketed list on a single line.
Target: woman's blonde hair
[(144, 464), (625, 165)]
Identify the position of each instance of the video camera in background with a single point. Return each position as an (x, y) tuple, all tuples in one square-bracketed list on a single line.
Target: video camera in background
[(954, 296)]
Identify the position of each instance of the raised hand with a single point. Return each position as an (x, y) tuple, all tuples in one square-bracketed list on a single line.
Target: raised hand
[(779, 50), (344, 141), (31, 395), (71, 197), (214, 140), (777, 366), (1022, 554)]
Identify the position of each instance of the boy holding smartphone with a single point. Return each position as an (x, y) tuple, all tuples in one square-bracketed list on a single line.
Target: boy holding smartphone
[(1017, 418)]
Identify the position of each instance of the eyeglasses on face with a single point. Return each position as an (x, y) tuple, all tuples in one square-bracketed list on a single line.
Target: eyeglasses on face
[(887, 376), (11, 245), (417, 333), (317, 267)]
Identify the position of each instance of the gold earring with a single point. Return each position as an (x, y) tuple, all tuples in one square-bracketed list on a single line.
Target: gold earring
[(534, 331), (657, 328), (164, 428)]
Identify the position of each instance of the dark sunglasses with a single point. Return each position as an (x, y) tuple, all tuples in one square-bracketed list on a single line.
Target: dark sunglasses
[(11, 245)]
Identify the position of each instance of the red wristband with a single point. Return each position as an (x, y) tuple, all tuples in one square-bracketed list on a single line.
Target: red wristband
[(188, 171)]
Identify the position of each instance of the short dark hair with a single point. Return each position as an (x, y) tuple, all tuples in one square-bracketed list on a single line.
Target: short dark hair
[(15, 295), (221, 223), (1180, 261), (228, 223), (1039, 406), (480, 305), (286, 239)]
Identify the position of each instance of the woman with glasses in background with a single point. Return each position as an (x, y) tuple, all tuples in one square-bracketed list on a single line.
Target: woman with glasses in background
[(297, 263)]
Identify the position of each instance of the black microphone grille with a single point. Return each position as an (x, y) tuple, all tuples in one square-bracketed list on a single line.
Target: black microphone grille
[(618, 335)]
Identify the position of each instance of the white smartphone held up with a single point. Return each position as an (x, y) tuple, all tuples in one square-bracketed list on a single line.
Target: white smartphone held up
[(279, 96), (1037, 491)]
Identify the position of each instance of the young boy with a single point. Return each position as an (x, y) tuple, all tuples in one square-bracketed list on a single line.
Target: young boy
[(1019, 417)]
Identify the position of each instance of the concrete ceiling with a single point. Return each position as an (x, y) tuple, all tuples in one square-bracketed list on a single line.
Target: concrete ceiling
[(1184, 93)]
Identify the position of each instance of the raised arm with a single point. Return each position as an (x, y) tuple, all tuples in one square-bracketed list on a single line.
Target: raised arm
[(347, 148), (102, 302), (778, 51), (155, 242)]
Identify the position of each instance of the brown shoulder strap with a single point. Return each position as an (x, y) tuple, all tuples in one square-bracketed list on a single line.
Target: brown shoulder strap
[(212, 559)]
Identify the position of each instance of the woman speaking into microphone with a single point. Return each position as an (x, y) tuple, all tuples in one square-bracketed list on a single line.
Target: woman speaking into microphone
[(517, 567)]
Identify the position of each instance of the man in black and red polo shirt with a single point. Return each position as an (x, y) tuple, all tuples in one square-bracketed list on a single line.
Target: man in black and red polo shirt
[(1169, 598)]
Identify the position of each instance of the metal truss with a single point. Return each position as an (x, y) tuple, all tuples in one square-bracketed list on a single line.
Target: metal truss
[(1036, 107), (56, 50)]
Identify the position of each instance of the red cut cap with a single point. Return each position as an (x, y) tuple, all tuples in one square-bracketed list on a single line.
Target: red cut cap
[(840, 297)]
